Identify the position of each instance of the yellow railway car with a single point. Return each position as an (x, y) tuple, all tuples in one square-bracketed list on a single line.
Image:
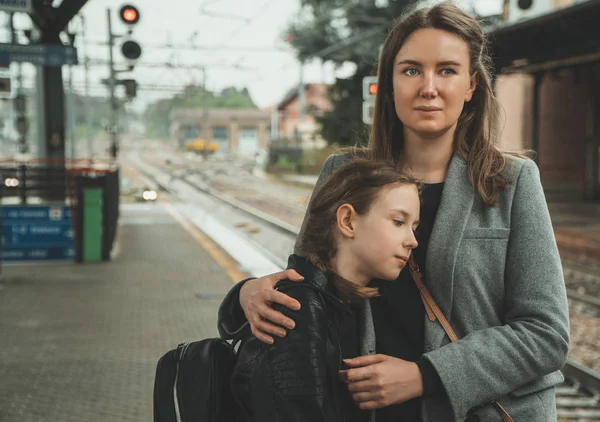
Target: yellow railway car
[(201, 146)]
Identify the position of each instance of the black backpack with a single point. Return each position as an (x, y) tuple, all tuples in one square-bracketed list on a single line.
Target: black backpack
[(192, 382)]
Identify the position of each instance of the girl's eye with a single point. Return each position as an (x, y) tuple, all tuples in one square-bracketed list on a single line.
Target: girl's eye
[(398, 222), (411, 71), (448, 72)]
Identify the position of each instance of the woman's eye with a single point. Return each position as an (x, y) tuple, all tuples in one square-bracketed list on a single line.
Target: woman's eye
[(398, 222), (411, 71), (448, 72)]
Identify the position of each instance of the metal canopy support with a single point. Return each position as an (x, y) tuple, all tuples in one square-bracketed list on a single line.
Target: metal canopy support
[(535, 124), (51, 22)]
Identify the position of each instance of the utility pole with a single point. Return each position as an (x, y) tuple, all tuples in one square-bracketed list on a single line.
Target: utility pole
[(71, 104), (204, 109), (21, 120), (86, 100), (71, 113), (301, 104), (113, 126)]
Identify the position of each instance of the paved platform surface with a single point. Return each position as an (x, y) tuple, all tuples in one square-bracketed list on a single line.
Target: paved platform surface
[(80, 342)]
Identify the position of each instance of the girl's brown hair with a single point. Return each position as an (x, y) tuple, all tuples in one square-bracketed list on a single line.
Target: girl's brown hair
[(356, 183), (477, 128)]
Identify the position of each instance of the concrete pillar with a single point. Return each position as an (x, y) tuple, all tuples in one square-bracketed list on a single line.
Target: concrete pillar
[(233, 135), (262, 135)]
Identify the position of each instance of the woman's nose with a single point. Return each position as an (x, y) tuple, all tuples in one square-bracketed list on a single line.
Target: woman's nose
[(428, 90)]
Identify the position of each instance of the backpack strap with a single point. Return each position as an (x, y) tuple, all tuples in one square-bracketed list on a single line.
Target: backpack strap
[(241, 335)]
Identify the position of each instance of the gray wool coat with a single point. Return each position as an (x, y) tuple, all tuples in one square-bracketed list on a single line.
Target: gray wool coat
[(496, 274)]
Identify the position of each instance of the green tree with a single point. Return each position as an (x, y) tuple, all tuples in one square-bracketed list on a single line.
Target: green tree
[(157, 115), (341, 32)]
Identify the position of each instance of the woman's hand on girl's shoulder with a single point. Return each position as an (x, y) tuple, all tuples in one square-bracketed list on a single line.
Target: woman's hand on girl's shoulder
[(256, 299)]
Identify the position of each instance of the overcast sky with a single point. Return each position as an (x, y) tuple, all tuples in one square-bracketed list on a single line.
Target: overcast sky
[(238, 26)]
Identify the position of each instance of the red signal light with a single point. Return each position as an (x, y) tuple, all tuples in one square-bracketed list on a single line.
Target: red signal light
[(373, 89), (129, 14)]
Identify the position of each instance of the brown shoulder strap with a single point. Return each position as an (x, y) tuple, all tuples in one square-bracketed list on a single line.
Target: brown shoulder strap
[(434, 312)]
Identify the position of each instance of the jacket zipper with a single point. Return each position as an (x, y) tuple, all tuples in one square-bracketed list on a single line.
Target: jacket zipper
[(339, 344), (175, 399)]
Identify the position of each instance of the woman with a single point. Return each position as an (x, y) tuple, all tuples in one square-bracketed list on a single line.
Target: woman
[(486, 246), (360, 228)]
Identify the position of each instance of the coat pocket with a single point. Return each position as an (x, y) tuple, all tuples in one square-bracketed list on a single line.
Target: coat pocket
[(487, 233), (551, 380)]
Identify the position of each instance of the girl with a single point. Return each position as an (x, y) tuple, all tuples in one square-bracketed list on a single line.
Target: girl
[(361, 227), (486, 246)]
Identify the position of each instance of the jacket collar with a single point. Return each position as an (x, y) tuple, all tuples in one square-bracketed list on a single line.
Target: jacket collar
[(316, 278)]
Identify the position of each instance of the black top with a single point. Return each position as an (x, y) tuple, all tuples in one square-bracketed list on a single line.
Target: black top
[(399, 317)]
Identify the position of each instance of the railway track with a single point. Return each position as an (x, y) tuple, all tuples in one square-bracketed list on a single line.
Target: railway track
[(579, 397), (270, 210)]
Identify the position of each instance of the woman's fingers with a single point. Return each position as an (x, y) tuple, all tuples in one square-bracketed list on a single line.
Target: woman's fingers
[(256, 299), (370, 405), (291, 275), (261, 335), (359, 374), (275, 296), (366, 396), (362, 386), (278, 318), (263, 330)]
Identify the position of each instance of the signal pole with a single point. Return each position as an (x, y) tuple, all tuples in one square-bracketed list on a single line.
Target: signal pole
[(132, 51), (113, 128), (86, 102)]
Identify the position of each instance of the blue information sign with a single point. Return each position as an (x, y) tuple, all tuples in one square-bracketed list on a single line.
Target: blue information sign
[(37, 232), (35, 213), (37, 254), (52, 55)]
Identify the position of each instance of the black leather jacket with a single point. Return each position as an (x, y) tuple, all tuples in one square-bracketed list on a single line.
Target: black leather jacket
[(295, 379)]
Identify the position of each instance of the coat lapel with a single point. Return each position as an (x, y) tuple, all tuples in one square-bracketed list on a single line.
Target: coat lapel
[(453, 213)]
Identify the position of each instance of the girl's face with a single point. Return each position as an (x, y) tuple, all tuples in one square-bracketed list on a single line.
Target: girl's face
[(384, 237), (432, 82)]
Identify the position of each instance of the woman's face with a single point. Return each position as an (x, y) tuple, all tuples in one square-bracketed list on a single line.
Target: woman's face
[(432, 82), (384, 236)]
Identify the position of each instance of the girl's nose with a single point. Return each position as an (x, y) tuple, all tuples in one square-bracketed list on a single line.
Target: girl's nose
[(411, 243)]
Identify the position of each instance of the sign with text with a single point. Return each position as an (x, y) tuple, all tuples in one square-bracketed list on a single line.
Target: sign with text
[(37, 232), (51, 55), (16, 6)]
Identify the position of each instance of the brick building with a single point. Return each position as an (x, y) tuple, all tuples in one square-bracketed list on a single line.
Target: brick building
[(243, 131), (303, 132), (549, 88)]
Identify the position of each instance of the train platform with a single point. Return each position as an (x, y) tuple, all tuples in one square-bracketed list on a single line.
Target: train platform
[(80, 342)]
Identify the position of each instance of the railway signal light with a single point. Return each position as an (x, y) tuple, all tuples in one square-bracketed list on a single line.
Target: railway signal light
[(369, 91), (129, 14), (130, 49)]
